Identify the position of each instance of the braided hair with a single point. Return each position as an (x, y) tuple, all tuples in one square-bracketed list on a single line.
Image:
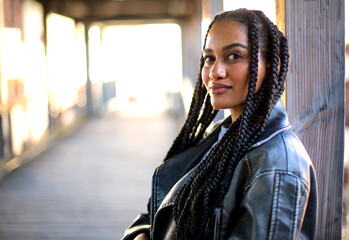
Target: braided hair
[(197, 200)]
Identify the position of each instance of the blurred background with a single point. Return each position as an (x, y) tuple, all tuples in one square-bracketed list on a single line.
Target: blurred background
[(114, 79)]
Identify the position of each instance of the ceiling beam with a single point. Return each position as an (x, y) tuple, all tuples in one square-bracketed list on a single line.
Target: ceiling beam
[(120, 10)]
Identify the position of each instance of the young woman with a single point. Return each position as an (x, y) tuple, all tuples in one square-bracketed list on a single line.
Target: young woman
[(251, 177)]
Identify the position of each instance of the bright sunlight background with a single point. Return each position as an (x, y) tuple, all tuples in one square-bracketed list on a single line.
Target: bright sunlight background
[(145, 61)]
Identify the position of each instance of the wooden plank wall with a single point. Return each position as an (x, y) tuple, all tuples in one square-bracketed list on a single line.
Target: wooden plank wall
[(315, 97)]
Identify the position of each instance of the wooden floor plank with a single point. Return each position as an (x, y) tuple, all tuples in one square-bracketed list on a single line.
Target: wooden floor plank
[(89, 186)]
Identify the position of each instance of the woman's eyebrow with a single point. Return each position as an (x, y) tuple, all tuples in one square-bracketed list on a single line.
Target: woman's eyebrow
[(234, 45), (209, 50)]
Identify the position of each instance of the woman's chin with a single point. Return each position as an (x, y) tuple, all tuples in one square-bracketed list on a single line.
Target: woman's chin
[(218, 106)]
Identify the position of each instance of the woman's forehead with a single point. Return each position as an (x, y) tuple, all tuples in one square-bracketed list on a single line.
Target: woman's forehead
[(226, 32)]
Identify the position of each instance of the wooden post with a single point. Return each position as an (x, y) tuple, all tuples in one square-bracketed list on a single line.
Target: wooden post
[(191, 42), (2, 152), (51, 120), (89, 99), (315, 97), (212, 7)]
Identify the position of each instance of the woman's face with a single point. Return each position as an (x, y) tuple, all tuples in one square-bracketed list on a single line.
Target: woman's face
[(226, 70)]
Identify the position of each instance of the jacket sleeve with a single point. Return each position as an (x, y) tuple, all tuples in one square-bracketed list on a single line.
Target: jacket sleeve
[(272, 207), (141, 224)]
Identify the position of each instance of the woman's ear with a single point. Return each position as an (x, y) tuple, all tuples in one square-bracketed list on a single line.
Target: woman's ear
[(267, 68), (279, 67)]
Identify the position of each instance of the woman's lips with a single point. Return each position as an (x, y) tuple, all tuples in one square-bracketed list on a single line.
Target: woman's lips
[(217, 88)]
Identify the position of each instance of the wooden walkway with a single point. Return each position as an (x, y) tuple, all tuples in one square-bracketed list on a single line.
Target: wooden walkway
[(89, 186)]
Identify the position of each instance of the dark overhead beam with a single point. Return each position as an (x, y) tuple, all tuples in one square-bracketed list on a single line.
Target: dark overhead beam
[(92, 10)]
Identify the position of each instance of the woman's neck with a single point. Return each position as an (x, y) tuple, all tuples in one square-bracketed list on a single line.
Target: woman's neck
[(236, 112)]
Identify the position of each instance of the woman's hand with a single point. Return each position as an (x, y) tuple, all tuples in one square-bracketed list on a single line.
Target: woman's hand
[(142, 236)]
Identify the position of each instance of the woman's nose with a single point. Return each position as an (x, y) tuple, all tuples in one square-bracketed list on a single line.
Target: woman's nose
[(218, 71)]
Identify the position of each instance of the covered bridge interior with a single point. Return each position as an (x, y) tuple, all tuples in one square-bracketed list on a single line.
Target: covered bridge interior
[(314, 97)]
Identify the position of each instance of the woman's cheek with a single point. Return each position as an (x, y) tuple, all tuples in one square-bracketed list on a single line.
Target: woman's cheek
[(204, 76)]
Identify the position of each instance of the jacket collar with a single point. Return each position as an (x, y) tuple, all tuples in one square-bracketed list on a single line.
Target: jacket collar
[(277, 123)]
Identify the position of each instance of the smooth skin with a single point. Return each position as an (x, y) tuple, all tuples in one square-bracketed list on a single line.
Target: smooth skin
[(226, 70)]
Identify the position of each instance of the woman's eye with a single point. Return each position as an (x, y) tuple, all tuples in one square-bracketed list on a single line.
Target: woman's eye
[(233, 56), (208, 58)]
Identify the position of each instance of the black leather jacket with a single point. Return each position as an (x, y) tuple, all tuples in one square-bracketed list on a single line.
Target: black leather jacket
[(272, 195)]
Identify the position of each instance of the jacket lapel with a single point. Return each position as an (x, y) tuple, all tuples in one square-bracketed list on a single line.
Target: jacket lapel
[(172, 170)]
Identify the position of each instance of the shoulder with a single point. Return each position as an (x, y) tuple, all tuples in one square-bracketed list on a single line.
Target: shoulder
[(271, 188), (282, 155)]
